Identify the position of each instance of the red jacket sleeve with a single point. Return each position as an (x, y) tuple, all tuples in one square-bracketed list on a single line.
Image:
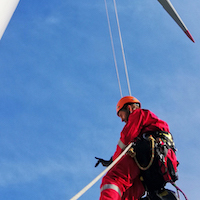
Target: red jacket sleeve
[(139, 121)]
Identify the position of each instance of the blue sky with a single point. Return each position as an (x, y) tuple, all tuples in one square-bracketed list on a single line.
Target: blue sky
[(58, 91)]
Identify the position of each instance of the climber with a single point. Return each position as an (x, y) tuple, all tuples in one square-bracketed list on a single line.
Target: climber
[(123, 182)]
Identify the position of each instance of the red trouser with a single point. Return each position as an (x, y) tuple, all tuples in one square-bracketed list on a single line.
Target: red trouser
[(122, 182)]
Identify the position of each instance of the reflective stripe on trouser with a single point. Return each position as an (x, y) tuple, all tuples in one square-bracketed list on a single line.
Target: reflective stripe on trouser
[(121, 145), (111, 186)]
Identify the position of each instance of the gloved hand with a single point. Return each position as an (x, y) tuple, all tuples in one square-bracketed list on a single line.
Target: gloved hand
[(105, 163)]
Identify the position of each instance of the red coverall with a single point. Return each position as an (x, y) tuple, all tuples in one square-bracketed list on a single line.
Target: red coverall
[(122, 181)]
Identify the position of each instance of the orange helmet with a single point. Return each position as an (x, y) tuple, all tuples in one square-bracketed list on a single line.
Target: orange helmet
[(125, 100)]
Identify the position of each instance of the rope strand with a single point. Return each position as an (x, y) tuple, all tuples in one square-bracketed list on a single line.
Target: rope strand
[(122, 48), (179, 190), (113, 49)]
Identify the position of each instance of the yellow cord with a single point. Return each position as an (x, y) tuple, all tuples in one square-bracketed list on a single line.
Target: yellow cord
[(133, 154)]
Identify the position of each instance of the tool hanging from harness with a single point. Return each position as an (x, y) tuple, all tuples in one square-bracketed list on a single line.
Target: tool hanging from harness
[(155, 155)]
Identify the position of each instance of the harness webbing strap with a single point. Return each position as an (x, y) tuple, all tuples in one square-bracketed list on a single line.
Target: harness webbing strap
[(111, 186)]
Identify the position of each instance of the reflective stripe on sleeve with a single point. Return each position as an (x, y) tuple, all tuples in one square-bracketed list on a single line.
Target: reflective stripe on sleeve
[(121, 145), (111, 186)]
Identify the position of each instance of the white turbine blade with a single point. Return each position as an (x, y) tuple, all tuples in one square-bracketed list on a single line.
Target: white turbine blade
[(172, 12), (7, 8)]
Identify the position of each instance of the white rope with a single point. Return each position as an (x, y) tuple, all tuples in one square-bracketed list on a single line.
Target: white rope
[(87, 187), (113, 49), (122, 48)]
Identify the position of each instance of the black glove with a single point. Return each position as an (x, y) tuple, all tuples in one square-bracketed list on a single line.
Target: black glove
[(105, 163)]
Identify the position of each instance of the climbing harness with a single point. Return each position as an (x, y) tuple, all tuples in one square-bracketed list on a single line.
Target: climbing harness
[(154, 153)]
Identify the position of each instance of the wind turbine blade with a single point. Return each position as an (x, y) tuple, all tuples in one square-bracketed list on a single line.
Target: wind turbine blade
[(172, 12), (7, 8)]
